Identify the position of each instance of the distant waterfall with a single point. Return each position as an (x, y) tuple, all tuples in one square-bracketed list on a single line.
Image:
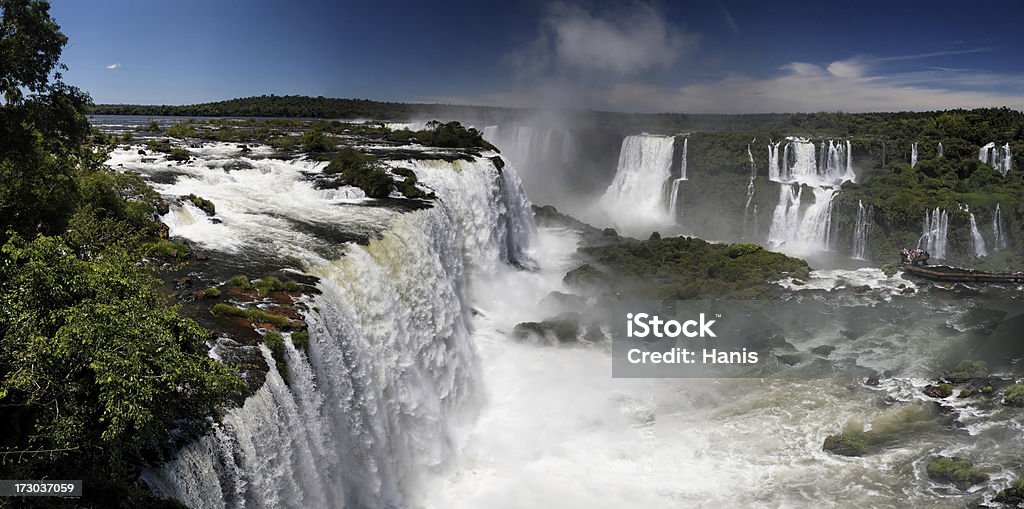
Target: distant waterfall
[(999, 230), (673, 206), (999, 158), (750, 194), (389, 350), (861, 230), (913, 155), (938, 151), (978, 247), (637, 193), (936, 225), (801, 163)]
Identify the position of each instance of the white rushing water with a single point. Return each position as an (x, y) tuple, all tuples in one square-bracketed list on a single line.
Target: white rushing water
[(796, 227), (636, 196), (999, 158), (936, 227), (999, 230), (913, 155), (390, 344), (673, 204), (978, 248), (861, 229), (750, 197), (938, 150)]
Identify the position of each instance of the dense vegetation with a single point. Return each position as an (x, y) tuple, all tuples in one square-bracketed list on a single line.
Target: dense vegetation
[(95, 365)]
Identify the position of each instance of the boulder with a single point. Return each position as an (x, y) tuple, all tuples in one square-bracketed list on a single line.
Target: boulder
[(846, 444), (940, 391)]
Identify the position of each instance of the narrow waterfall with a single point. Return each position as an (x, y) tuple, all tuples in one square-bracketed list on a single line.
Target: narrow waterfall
[(933, 240), (999, 230), (673, 205), (637, 193), (913, 155), (999, 158), (750, 193), (978, 247), (861, 230), (802, 229), (389, 349), (938, 151)]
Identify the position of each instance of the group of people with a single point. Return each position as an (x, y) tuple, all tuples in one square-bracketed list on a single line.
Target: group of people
[(914, 256)]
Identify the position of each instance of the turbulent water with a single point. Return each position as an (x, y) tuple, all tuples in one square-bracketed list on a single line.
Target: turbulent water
[(636, 197), (978, 248), (413, 393)]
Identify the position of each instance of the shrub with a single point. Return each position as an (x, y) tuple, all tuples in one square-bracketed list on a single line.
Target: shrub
[(241, 281), (315, 140), (254, 315), (1014, 395), (362, 171), (300, 339), (179, 154), (211, 293), (203, 204), (168, 249), (272, 284), (968, 369)]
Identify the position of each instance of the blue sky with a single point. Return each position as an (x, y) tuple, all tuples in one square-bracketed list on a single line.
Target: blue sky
[(709, 56)]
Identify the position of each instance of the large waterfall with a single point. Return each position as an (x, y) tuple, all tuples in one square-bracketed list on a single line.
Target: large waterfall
[(999, 230), (999, 158), (637, 194), (933, 240), (797, 227), (861, 230), (390, 371)]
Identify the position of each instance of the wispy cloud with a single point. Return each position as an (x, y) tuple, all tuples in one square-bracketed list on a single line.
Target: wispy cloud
[(933, 54), (729, 20), (113, 66), (625, 43)]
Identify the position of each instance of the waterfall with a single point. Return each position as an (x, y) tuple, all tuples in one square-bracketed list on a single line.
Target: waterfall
[(938, 151), (809, 228), (673, 204), (933, 240), (861, 230), (913, 155), (998, 158), (637, 193), (389, 350), (977, 241), (750, 191), (999, 230)]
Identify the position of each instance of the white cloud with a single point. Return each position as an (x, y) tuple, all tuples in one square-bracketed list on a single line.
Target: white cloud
[(850, 68), (113, 66), (628, 42)]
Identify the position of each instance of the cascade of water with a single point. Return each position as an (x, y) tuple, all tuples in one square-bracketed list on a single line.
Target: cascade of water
[(832, 166), (999, 230), (750, 190), (637, 193), (673, 205), (808, 229), (812, 231), (913, 155), (999, 158), (933, 240), (978, 247), (774, 172), (938, 151), (861, 230), (389, 349)]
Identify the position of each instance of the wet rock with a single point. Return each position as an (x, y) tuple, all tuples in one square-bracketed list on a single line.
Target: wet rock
[(872, 381), (823, 350), (162, 230), (960, 472), (790, 359), (846, 444), (162, 208), (563, 300), (940, 391), (1012, 496), (201, 255), (563, 329), (142, 152)]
